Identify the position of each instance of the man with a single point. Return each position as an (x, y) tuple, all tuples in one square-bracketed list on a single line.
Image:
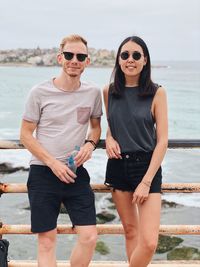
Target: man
[(60, 111)]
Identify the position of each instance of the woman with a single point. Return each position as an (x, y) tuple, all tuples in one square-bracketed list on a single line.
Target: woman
[(136, 143)]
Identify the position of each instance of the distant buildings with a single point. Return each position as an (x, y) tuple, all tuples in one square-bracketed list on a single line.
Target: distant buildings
[(47, 57)]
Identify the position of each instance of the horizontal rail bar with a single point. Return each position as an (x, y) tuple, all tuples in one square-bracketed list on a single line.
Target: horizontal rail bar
[(11, 144), (100, 188), (172, 143), (104, 229), (18, 263)]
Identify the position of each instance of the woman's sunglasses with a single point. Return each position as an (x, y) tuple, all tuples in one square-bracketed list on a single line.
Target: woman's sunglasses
[(69, 55), (135, 55)]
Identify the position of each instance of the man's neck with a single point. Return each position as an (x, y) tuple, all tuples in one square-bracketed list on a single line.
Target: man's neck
[(67, 83)]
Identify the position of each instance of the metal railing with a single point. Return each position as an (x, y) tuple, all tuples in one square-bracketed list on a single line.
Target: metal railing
[(6, 188)]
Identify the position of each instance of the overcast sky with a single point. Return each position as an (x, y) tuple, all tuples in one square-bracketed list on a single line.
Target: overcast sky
[(171, 28)]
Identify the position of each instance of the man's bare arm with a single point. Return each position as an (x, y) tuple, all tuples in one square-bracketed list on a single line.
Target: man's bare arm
[(31, 143), (86, 150)]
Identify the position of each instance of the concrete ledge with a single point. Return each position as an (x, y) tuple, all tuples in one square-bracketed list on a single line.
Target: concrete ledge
[(111, 264)]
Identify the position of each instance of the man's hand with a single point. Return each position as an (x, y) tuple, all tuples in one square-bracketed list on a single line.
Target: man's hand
[(84, 154), (62, 171)]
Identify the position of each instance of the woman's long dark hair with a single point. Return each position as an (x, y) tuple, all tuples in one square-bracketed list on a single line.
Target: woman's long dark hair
[(146, 86)]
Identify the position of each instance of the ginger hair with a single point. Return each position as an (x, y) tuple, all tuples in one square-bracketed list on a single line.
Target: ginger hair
[(72, 38)]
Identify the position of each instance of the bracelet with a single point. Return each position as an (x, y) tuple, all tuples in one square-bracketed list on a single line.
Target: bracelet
[(147, 183), (92, 142)]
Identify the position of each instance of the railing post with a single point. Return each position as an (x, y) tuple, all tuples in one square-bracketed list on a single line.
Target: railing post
[(1, 191), (1, 224)]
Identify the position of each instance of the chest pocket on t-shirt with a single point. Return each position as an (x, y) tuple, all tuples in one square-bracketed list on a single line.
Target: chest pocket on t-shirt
[(83, 114)]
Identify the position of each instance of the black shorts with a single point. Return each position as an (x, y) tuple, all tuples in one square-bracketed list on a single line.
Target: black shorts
[(125, 174), (46, 193)]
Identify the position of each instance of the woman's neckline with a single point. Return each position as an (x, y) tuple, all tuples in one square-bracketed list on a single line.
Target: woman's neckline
[(132, 86)]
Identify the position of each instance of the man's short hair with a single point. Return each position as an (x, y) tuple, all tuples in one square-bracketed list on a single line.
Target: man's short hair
[(72, 38)]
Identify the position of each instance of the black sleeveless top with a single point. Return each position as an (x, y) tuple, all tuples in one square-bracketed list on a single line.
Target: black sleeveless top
[(131, 122)]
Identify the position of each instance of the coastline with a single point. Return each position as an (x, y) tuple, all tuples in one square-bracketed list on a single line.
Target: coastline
[(28, 65), (11, 64)]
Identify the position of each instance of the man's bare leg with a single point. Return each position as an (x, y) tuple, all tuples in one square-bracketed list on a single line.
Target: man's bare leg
[(84, 248), (47, 249)]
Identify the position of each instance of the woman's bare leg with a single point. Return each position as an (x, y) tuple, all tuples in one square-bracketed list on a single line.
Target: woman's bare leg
[(149, 222), (129, 218)]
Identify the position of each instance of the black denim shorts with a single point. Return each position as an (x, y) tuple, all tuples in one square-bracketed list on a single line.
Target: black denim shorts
[(125, 174), (46, 193)]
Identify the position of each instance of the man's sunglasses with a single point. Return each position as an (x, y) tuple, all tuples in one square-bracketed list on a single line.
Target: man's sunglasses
[(135, 55), (69, 55)]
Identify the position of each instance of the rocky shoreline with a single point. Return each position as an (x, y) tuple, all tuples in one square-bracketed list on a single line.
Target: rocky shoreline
[(47, 57), (168, 245)]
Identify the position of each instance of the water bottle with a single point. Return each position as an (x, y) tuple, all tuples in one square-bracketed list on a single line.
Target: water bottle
[(70, 159)]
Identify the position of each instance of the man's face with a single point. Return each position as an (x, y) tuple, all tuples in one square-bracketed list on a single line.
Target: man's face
[(74, 62)]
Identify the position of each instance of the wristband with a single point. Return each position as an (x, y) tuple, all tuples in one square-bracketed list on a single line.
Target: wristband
[(92, 142)]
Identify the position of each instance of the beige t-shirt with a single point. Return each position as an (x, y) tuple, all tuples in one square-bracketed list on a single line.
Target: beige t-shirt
[(62, 117)]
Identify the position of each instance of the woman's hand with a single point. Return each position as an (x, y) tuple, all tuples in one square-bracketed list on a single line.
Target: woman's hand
[(141, 193), (112, 148)]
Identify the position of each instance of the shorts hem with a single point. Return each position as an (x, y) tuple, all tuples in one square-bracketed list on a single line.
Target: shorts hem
[(113, 188), (84, 224), (35, 231)]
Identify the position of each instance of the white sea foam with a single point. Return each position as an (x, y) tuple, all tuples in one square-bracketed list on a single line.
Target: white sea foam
[(186, 199), (17, 158), (4, 114), (9, 133), (96, 168)]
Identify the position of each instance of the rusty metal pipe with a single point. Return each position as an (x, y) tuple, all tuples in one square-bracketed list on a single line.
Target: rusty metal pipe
[(100, 188), (104, 229)]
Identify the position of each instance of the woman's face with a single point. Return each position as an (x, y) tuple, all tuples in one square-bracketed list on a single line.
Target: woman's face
[(132, 60)]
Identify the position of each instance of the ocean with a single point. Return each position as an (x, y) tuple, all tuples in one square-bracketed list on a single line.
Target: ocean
[(182, 83)]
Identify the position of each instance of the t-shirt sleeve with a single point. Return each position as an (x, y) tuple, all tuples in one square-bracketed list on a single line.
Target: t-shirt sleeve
[(32, 110), (97, 110)]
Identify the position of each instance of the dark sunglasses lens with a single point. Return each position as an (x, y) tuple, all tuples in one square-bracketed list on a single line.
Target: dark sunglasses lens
[(81, 57), (136, 55), (124, 55), (68, 55)]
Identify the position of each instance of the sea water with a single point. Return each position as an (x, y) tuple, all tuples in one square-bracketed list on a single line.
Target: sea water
[(182, 83)]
